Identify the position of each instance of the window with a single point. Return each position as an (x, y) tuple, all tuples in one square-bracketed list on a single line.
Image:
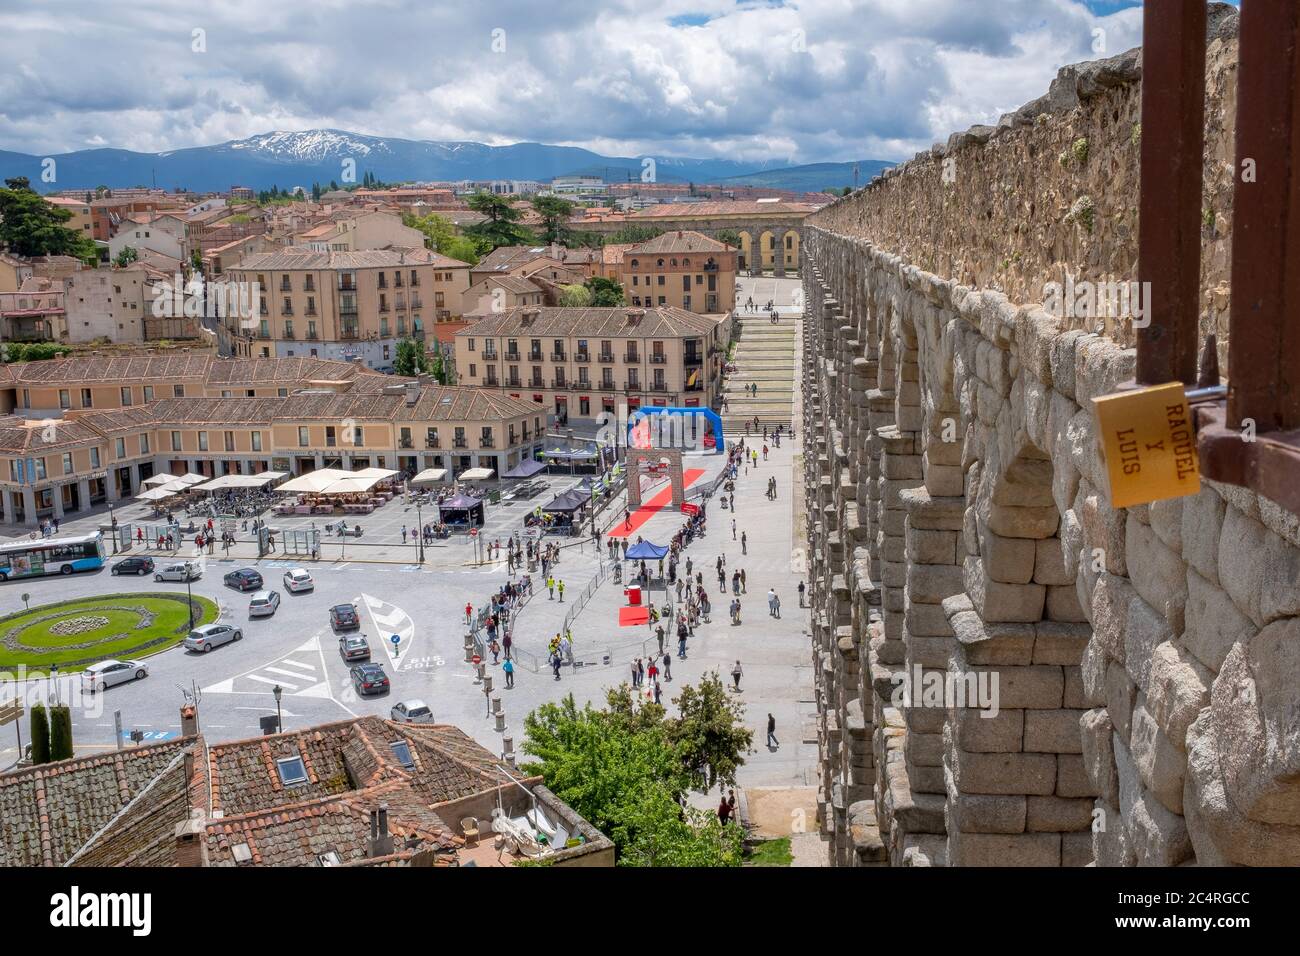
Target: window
[(126, 395), (176, 441), (302, 436), (257, 441), (148, 393), (144, 444), (119, 446), (203, 441), (358, 436), (67, 462), (65, 399), (230, 441), (178, 391), (94, 458), (402, 751), (86, 400), (292, 770)]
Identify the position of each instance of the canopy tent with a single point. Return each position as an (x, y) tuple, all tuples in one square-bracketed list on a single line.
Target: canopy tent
[(191, 479), (571, 454), (571, 500), (471, 507), (645, 551), (241, 481), (429, 474), (160, 480), (525, 469), (476, 474), (161, 492), (336, 481)]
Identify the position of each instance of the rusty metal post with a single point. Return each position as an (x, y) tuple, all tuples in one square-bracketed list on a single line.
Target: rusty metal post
[(1173, 147), (1264, 329)]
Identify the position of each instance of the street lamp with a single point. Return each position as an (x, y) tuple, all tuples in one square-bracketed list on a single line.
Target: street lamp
[(277, 691), (419, 519)]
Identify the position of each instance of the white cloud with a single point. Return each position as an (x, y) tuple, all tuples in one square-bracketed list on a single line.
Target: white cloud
[(809, 81)]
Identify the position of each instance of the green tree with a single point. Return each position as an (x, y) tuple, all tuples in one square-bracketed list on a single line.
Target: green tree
[(604, 292), (634, 233), (709, 734), (730, 237), (40, 733), (196, 260), (127, 256), (60, 732), (440, 236), (30, 226), (668, 834), (556, 213), (575, 296), (501, 227), (410, 358), (439, 369)]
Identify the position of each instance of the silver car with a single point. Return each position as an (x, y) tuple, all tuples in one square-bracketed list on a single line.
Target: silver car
[(208, 636), (185, 571), (110, 673), (412, 712), (263, 603)]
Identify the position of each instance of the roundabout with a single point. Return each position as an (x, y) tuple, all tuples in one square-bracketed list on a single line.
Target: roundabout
[(76, 633)]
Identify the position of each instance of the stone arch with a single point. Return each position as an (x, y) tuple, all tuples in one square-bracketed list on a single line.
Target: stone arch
[(745, 257), (789, 251), (1017, 793), (766, 248)]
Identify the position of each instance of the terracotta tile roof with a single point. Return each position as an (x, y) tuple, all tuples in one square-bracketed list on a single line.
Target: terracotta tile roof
[(507, 258), (699, 209), (49, 812), (299, 257), (35, 435), (612, 254), (683, 240), (511, 283), (664, 321)]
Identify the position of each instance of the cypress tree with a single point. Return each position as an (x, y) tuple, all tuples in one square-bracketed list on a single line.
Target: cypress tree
[(60, 732), (40, 735)]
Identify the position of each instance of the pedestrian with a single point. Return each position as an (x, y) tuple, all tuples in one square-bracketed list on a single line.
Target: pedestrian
[(635, 682), (508, 668), (469, 612), (403, 534), (743, 588), (495, 648), (640, 672), (735, 583), (733, 529), (774, 603), (659, 634), (744, 543), (724, 811), (505, 645), (550, 587), (736, 674), (139, 536), (668, 667), (658, 692), (771, 732), (681, 647), (560, 588), (653, 671), (555, 664), (801, 593)]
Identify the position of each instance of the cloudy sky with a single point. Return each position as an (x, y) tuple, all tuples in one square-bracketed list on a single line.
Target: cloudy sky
[(803, 80)]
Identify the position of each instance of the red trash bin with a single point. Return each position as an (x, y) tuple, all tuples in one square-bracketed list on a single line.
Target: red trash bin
[(633, 594)]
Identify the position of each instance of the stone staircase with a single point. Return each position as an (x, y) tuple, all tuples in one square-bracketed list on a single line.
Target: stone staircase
[(765, 356)]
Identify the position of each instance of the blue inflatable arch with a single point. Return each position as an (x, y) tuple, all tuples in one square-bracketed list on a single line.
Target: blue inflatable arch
[(687, 429)]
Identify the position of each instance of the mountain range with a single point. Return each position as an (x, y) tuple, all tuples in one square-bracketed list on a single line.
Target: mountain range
[(288, 159)]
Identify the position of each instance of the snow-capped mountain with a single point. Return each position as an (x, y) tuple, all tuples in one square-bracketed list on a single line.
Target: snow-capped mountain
[(299, 158)]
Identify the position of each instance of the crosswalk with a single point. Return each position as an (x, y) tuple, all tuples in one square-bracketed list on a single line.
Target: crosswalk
[(300, 673)]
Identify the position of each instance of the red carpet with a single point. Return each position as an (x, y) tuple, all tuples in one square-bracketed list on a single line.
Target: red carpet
[(652, 507), (632, 616)]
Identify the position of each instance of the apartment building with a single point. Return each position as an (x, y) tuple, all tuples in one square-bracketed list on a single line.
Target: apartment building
[(502, 292), (167, 234), (37, 312), (682, 270), (351, 306), (51, 467), (582, 362), (351, 231), (83, 219)]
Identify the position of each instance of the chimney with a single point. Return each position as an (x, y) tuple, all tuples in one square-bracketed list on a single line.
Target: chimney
[(412, 392), (191, 847), (679, 233), (381, 844), (189, 720)]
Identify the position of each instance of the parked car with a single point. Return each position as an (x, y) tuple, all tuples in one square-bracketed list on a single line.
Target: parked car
[(185, 571), (110, 673), (208, 636), (245, 579), (354, 647), (344, 617), (263, 603), (134, 566), (412, 712), (368, 679), (297, 579)]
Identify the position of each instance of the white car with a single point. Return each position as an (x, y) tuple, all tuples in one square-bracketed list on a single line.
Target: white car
[(208, 636), (412, 712), (110, 673), (263, 603), (185, 571), (297, 579)]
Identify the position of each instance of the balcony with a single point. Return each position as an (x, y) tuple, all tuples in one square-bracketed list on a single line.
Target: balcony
[(288, 332), (608, 385), (512, 356), (284, 285), (346, 308), (607, 358), (383, 307), (582, 356), (632, 358), (310, 311), (405, 443), (492, 381), (631, 386), (693, 358), (537, 383), (460, 443), (382, 283), (347, 285), (432, 443), (309, 286), (657, 387), (559, 383), (514, 382), (287, 311), (526, 434), (535, 355), (349, 333), (487, 441), (558, 357), (657, 358), (513, 439), (313, 336), (489, 355), (416, 303)]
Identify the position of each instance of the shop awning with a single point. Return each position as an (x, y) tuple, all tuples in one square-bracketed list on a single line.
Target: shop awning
[(429, 474), (476, 474), (161, 492), (241, 481)]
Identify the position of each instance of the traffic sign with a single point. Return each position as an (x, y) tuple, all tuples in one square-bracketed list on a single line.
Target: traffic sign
[(476, 660), (396, 639)]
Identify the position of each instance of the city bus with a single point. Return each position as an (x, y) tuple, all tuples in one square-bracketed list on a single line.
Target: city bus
[(26, 559)]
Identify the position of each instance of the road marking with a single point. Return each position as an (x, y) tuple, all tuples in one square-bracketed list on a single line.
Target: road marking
[(309, 667), (296, 675), (267, 680)]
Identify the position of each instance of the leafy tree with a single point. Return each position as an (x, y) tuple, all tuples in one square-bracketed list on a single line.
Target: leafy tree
[(31, 351), (575, 296), (634, 233), (556, 213), (605, 292), (501, 227), (30, 226), (730, 237), (440, 236), (40, 727), (709, 735), (668, 834), (127, 256), (440, 370), (60, 732), (410, 359)]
